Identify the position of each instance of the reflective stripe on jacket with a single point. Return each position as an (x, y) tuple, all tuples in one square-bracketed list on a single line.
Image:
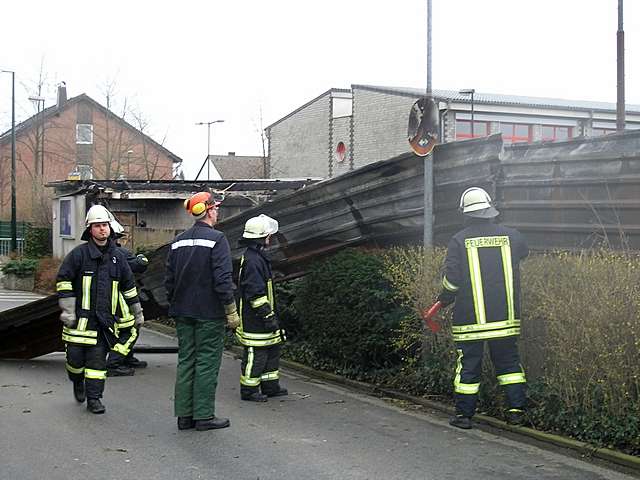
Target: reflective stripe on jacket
[(99, 282), (257, 300), (482, 273)]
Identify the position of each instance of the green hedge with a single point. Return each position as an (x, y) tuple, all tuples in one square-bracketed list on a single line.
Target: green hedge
[(356, 314), (341, 316), (21, 267), (37, 242)]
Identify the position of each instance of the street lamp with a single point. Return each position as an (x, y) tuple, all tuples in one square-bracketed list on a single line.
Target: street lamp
[(469, 91), (208, 124), (39, 136), (14, 240)]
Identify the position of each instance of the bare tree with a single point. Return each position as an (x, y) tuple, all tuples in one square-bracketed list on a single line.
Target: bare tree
[(148, 160)]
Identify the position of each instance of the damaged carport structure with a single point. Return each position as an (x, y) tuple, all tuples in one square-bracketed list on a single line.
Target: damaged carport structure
[(568, 195)]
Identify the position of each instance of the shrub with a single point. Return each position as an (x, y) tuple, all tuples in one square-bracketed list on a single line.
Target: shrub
[(357, 314), (21, 267), (37, 242), (347, 312), (46, 273)]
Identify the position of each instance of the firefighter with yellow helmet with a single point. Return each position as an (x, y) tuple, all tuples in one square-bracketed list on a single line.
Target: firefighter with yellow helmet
[(91, 282), (481, 275), (259, 331)]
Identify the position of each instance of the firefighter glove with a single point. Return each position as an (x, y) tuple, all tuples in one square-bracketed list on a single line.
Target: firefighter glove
[(68, 307), (271, 322), (446, 298), (233, 320), (138, 317)]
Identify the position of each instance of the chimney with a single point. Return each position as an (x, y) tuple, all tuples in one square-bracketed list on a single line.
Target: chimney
[(62, 94)]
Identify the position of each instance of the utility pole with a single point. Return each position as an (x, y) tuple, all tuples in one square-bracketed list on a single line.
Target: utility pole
[(620, 107), (14, 239), (427, 234), (208, 124)]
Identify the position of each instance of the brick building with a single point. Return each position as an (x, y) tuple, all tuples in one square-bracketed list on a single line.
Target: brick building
[(344, 129), (75, 139)]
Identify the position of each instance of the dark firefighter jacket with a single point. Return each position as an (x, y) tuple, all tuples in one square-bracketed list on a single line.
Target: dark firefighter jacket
[(482, 276), (198, 276), (138, 264), (100, 283), (258, 324)]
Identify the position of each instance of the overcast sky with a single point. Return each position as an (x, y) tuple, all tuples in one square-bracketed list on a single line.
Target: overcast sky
[(251, 62)]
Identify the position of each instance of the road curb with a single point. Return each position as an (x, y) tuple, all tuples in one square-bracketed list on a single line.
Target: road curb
[(583, 448)]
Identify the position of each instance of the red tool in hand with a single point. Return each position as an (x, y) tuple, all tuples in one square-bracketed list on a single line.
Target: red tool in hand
[(427, 316)]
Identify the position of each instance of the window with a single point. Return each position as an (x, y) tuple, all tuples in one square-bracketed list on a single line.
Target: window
[(554, 132), (515, 132), (65, 217), (598, 132), (342, 107), (463, 129), (84, 133)]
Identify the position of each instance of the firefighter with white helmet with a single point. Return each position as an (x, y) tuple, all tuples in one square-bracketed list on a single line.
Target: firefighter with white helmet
[(481, 275), (92, 281), (199, 284), (259, 331), (119, 363)]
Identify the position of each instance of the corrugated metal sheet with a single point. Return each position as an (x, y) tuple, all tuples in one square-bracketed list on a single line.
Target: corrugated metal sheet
[(31, 330), (560, 195), (574, 194)]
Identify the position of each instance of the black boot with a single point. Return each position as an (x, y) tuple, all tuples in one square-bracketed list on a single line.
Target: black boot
[(212, 423), (516, 416), (133, 362), (460, 421), (94, 405), (120, 370), (253, 397), (185, 423), (78, 391), (278, 393)]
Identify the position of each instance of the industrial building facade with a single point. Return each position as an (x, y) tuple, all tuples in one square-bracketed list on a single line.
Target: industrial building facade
[(344, 129)]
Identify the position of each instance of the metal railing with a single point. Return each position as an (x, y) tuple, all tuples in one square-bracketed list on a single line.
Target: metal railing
[(5, 246)]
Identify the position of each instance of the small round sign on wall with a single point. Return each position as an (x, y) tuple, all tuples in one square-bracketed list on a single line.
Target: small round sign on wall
[(341, 152)]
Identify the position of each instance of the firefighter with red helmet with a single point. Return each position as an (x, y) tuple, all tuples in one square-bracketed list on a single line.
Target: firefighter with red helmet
[(481, 275), (259, 331), (91, 282), (199, 285)]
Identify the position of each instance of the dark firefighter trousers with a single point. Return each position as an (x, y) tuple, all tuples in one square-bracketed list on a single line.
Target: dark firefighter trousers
[(260, 370), (88, 363), (116, 359), (509, 371)]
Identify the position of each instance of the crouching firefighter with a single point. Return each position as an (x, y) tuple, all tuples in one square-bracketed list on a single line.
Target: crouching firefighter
[(259, 331), (121, 361), (481, 275), (91, 281)]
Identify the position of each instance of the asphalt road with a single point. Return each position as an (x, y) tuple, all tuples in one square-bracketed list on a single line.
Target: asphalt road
[(320, 431), (15, 298)]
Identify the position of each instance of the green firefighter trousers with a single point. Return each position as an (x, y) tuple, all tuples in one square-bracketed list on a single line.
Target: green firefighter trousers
[(200, 345)]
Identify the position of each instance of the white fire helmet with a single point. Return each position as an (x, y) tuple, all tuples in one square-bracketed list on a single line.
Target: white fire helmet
[(116, 227), (98, 214), (476, 202), (260, 227)]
